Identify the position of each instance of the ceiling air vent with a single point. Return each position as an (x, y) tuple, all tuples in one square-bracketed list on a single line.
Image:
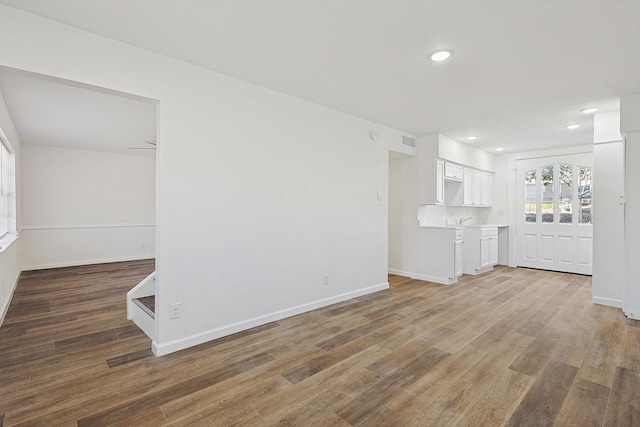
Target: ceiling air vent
[(411, 142)]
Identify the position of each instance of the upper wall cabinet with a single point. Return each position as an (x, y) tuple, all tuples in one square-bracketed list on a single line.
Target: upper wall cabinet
[(476, 189), (453, 172), (431, 183), (487, 188)]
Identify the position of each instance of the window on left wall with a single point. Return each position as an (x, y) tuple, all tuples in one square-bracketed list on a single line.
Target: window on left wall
[(7, 188)]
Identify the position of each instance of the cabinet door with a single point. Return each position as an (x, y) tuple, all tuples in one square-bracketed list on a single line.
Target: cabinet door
[(439, 182), (487, 188), (449, 170), (457, 258), (472, 183), (477, 188), (484, 252), (430, 182), (453, 171), (467, 184), (457, 172), (493, 250)]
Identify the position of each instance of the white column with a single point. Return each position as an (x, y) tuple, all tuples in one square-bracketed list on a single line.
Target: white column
[(608, 210), (630, 129)]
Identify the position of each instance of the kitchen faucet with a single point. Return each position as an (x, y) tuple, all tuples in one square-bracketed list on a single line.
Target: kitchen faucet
[(463, 220)]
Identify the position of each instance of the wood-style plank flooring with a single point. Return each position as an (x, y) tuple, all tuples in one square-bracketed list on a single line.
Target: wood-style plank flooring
[(513, 347)]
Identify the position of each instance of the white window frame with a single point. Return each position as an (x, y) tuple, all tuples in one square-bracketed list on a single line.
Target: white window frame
[(7, 193)]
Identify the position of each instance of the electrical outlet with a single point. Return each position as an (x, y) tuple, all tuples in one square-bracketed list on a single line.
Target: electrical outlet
[(176, 310), (325, 280)]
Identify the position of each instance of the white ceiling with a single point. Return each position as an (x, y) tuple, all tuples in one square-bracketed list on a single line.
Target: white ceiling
[(521, 72), (54, 112)]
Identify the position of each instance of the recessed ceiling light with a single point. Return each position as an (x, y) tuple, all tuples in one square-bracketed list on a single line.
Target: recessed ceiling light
[(573, 127), (441, 55), (589, 110), (499, 149), (471, 138)]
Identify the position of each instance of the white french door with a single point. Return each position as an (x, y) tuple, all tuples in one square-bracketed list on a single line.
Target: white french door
[(554, 230)]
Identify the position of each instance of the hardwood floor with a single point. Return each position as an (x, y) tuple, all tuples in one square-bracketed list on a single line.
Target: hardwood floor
[(513, 347)]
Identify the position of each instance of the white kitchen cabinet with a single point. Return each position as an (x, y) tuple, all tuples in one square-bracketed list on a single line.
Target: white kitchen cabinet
[(453, 172), (493, 250), (472, 187), (477, 188), (467, 187), (484, 253), (488, 251), (481, 253), (463, 183), (457, 257), (440, 254), (487, 189), (476, 185), (431, 182), (439, 182), (442, 181)]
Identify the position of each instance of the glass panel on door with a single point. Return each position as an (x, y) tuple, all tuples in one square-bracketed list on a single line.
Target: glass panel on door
[(584, 195), (547, 208), (565, 198), (530, 196)]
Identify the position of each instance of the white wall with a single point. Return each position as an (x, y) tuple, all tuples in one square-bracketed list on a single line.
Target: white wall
[(403, 222), (259, 195), (9, 259), (608, 213), (84, 207)]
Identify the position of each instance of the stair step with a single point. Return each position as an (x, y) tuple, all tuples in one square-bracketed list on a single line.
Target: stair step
[(147, 304)]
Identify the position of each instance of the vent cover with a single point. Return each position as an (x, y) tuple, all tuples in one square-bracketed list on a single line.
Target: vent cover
[(411, 142)]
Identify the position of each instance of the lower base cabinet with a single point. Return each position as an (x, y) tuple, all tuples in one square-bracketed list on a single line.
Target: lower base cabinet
[(457, 257), (481, 253), (440, 254)]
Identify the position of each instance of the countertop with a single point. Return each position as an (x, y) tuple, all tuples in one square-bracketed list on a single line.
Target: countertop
[(452, 226), (485, 225), (443, 227)]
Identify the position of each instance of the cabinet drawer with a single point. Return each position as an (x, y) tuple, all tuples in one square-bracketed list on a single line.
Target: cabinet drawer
[(460, 234), (488, 231)]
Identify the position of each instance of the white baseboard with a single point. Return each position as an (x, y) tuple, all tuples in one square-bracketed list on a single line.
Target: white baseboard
[(607, 301), (474, 272), (85, 262), (632, 314), (6, 307), (439, 280), (402, 273), (193, 340)]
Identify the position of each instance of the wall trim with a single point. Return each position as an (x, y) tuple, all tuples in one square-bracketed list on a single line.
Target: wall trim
[(434, 279), (13, 291), (72, 226), (86, 262), (611, 302), (635, 315), (613, 141), (193, 340), (402, 273)]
